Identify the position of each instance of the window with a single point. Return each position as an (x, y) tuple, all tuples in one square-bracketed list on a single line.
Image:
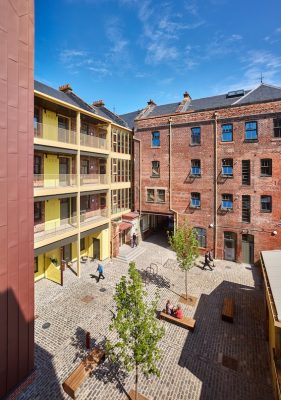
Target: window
[(103, 201), (84, 167), (37, 167), (266, 167), (195, 167), (195, 135), (277, 128), (161, 195), (227, 167), (246, 172), (251, 131), (150, 195), (227, 133), (37, 211), (63, 122), (195, 200), (246, 208), (35, 264), (201, 236), (155, 169), (82, 244), (266, 203), (85, 128), (85, 203), (227, 202), (155, 139)]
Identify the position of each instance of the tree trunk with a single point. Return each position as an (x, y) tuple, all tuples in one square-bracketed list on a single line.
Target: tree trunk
[(136, 382), (186, 284)]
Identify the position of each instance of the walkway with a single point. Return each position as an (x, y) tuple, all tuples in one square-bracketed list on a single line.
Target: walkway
[(218, 361)]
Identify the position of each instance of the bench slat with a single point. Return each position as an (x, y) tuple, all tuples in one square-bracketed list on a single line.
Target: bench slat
[(228, 309), (185, 322)]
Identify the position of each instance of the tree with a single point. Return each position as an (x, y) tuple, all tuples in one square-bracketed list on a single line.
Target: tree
[(138, 330), (185, 244)]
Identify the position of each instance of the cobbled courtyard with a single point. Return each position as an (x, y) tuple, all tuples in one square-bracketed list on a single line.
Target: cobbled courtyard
[(219, 360)]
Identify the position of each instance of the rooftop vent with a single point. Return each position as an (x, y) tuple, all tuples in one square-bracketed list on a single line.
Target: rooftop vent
[(235, 93), (65, 88)]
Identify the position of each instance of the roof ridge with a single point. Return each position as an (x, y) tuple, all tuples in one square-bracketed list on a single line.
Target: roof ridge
[(273, 86), (245, 95)]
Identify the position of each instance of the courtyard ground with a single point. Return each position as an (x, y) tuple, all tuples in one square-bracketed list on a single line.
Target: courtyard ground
[(219, 360)]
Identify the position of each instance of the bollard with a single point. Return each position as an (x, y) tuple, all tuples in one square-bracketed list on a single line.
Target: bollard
[(88, 339)]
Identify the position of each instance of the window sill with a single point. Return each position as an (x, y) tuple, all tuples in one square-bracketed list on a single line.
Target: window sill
[(227, 176), (195, 176), (154, 176), (251, 141), (155, 147), (265, 176), (160, 202), (265, 212), (227, 142), (194, 208), (275, 139), (194, 144)]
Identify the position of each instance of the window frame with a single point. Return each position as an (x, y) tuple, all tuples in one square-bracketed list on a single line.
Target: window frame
[(230, 200), (152, 191), (267, 210), (38, 218), (249, 170), (194, 135), (195, 169), (264, 167), (196, 198), (228, 166), (277, 127), (158, 197), (226, 132), (37, 164), (201, 234), (154, 139), (154, 174), (251, 139), (246, 208)]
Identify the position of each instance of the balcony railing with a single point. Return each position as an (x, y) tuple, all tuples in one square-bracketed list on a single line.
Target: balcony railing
[(55, 133), (93, 141), (87, 217), (54, 227), (52, 181), (92, 179)]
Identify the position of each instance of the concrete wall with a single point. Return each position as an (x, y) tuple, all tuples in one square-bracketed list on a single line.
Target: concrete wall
[(16, 188)]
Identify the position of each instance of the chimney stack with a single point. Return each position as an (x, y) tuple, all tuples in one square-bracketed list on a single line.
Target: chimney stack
[(65, 88), (186, 96), (98, 103), (183, 105), (151, 103)]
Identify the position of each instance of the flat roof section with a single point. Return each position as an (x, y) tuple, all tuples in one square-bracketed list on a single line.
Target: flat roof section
[(272, 264)]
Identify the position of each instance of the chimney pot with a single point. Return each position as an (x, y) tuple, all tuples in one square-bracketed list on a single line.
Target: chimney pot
[(65, 88), (186, 95), (151, 103), (98, 103)]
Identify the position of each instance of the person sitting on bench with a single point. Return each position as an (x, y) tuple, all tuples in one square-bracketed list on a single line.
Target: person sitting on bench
[(178, 313), (169, 308)]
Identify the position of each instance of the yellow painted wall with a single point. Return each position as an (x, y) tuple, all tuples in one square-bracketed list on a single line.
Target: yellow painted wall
[(52, 214), (103, 237), (51, 271), (50, 125), (51, 170), (74, 251), (41, 268)]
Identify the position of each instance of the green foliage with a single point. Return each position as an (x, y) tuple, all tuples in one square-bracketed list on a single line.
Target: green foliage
[(184, 243), (136, 325)]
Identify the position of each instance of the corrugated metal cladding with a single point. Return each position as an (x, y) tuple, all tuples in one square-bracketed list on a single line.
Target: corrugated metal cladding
[(16, 216), (272, 264)]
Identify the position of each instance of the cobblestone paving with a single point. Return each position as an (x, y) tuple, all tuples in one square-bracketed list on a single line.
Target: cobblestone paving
[(191, 365)]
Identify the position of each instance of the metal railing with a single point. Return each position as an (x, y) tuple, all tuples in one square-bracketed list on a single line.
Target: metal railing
[(91, 179), (90, 216), (53, 132), (53, 227), (52, 181), (93, 141)]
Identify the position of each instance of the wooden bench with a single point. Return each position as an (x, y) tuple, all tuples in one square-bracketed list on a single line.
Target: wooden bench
[(185, 322), (78, 376), (228, 309)]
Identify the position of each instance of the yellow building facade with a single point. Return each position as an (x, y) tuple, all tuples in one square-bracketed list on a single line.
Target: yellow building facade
[(82, 180)]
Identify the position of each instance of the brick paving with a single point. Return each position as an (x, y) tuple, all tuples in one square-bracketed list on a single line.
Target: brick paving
[(191, 365)]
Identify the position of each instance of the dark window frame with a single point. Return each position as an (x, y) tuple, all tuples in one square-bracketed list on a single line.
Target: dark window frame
[(159, 200), (154, 173), (277, 128), (268, 207), (227, 198), (195, 167), (225, 132), (195, 139), (147, 196), (246, 175), (266, 170), (246, 208), (155, 142), (195, 200), (201, 234), (227, 167), (250, 131)]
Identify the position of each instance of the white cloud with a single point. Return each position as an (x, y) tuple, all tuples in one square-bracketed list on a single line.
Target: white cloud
[(67, 55)]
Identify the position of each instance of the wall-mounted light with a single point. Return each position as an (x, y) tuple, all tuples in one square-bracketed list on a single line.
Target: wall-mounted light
[(211, 225), (274, 233)]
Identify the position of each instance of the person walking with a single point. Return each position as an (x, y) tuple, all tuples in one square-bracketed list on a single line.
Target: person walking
[(134, 240), (207, 262), (100, 271)]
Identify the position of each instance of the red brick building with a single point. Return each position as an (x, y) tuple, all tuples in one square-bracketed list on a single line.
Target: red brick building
[(217, 162)]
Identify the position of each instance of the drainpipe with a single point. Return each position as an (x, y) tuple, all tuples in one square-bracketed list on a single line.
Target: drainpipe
[(215, 181), (170, 175)]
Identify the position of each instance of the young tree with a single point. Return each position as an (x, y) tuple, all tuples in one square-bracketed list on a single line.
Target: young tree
[(138, 330), (185, 244)]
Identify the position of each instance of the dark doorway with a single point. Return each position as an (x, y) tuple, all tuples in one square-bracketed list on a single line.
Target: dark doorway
[(96, 248), (64, 171), (64, 211), (67, 252), (248, 249), (230, 246)]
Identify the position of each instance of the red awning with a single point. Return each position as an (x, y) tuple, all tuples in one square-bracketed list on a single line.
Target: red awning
[(124, 225)]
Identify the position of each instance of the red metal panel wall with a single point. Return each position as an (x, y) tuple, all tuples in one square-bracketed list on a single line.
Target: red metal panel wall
[(16, 192)]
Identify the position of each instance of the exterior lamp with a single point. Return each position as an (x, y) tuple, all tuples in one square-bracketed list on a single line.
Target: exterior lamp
[(211, 225), (274, 233)]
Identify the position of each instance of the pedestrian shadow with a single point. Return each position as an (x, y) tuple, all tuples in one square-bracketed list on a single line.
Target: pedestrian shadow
[(93, 276)]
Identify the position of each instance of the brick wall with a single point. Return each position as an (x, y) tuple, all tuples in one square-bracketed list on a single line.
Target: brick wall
[(262, 224)]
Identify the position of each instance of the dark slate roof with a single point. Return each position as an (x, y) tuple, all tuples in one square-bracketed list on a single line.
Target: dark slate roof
[(75, 100), (130, 118), (263, 92)]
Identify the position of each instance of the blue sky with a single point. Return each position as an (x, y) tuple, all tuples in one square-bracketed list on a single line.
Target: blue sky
[(128, 51)]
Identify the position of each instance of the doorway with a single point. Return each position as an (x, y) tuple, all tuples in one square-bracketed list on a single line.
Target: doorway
[(64, 171), (248, 249), (122, 238), (64, 211), (229, 246), (96, 248)]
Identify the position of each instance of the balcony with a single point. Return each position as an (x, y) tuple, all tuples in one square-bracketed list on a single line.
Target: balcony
[(93, 179), (54, 133), (93, 141), (54, 181), (94, 216), (51, 228)]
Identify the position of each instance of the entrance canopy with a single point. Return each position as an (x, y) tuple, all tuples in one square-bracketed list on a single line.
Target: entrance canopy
[(124, 226), (272, 266)]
